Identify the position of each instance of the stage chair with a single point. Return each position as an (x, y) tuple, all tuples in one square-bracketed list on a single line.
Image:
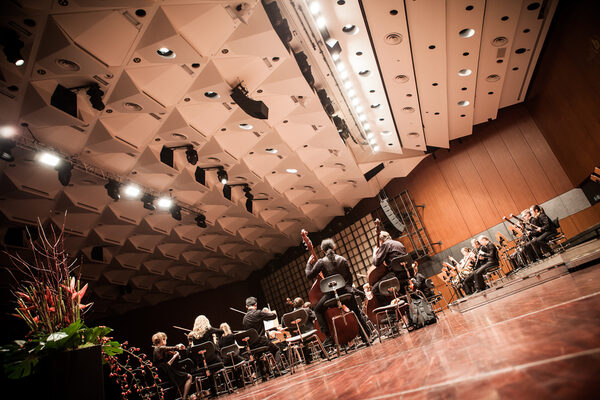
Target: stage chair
[(295, 320), (246, 339), (494, 272), (558, 238), (398, 306), (332, 284), (230, 352), (436, 298), (203, 352)]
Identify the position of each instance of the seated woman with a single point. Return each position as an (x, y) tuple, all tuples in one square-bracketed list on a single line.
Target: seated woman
[(227, 340), (164, 356), (201, 333)]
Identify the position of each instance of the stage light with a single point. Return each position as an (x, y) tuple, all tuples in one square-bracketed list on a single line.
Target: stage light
[(200, 221), (200, 176), (321, 22), (165, 202), (191, 155), (291, 170), (7, 131), (6, 146), (112, 189), (166, 156), (64, 172), (12, 45), (96, 96), (372, 141), (227, 192), (132, 191), (49, 159), (315, 8), (249, 205), (375, 149), (176, 212), (222, 175), (148, 201), (165, 52)]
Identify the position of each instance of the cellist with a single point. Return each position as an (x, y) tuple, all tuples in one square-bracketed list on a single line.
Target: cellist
[(333, 264), (385, 252)]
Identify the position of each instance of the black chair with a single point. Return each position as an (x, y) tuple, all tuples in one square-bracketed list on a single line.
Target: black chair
[(558, 238), (435, 298), (247, 339), (295, 320), (202, 354), (232, 354), (334, 283), (391, 287)]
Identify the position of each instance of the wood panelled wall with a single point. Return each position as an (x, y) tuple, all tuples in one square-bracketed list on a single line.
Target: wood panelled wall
[(564, 97), (504, 167)]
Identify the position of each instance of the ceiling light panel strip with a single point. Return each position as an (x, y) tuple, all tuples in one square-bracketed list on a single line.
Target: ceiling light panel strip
[(428, 42), (464, 30), (500, 23), (357, 69), (389, 31), (528, 43)]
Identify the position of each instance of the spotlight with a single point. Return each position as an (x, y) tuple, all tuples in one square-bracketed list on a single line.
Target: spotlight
[(222, 175), (191, 155), (12, 45), (165, 202), (176, 212), (132, 191), (65, 100), (148, 201), (247, 193), (49, 159), (6, 146), (95, 96), (166, 156), (249, 205), (200, 176), (64, 172), (254, 108), (227, 192), (112, 189), (200, 221), (7, 131)]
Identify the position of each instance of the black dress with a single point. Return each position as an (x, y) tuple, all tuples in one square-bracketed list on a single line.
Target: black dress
[(161, 357), (208, 337)]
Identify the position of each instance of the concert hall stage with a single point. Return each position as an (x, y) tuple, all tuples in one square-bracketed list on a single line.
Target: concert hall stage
[(543, 342), (536, 274)]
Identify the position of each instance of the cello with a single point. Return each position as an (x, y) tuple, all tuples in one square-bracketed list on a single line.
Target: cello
[(347, 328)]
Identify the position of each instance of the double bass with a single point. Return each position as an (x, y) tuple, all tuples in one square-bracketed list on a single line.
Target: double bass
[(347, 328), (374, 274)]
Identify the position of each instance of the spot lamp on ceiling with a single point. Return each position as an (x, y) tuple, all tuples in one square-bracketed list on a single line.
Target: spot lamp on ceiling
[(11, 46), (64, 172), (113, 189), (148, 201), (6, 146), (200, 220)]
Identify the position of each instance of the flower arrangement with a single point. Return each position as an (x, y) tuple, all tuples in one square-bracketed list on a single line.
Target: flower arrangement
[(49, 299)]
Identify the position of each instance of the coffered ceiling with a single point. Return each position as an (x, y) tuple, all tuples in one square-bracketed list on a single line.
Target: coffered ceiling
[(349, 85)]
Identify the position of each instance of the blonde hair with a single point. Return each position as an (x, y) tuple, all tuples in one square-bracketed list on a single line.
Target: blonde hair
[(201, 326), (157, 337), (226, 328)]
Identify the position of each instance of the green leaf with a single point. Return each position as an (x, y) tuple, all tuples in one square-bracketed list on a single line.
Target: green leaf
[(112, 348), (73, 328), (21, 369)]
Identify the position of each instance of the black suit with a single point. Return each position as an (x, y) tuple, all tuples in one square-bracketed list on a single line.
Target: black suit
[(488, 258), (254, 320), (386, 253), (540, 239)]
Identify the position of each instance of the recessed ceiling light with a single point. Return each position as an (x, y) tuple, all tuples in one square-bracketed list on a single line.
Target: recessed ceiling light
[(340, 66), (291, 170), (321, 22), (464, 72), (366, 126), (212, 95), (375, 105), (375, 149), (386, 133), (348, 85), (315, 7), (362, 117), (245, 126), (370, 135), (132, 191), (372, 141), (344, 75), (350, 29), (413, 134), (466, 33), (464, 103), (364, 73), (49, 159), (355, 101), (165, 202), (351, 92), (270, 150), (165, 52), (19, 62), (335, 56)]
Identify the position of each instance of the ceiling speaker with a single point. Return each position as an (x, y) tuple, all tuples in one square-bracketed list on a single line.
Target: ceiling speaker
[(253, 108), (374, 171)]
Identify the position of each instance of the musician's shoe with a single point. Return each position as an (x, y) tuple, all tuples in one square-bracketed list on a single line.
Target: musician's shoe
[(328, 342)]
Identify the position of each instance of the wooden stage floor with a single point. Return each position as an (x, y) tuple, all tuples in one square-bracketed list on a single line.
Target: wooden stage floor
[(542, 343)]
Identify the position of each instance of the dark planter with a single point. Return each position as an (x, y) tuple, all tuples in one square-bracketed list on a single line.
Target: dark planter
[(68, 375)]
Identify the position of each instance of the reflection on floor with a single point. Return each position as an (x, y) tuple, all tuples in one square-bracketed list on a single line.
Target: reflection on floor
[(542, 343)]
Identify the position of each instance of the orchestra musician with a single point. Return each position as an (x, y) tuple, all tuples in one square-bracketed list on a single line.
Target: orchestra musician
[(420, 282), (529, 251), (298, 304), (228, 339), (387, 251), (333, 264), (487, 258), (201, 333), (543, 229), (164, 357), (254, 319)]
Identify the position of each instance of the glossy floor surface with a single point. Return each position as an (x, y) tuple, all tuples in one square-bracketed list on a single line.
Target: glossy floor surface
[(542, 343)]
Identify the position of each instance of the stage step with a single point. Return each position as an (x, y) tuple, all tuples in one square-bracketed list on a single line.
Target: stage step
[(536, 274)]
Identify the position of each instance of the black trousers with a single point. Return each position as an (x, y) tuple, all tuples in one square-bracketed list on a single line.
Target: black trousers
[(382, 298), (272, 348), (351, 304), (478, 274), (540, 243)]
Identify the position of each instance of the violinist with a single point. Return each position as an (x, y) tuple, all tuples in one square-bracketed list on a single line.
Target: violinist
[(201, 333), (227, 339), (543, 229), (254, 320), (164, 357), (333, 264), (387, 251)]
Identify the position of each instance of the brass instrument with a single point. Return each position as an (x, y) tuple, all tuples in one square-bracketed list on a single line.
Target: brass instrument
[(465, 266)]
